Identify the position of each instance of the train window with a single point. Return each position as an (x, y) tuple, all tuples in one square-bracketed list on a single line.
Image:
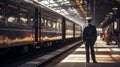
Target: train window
[(57, 25), (60, 26), (45, 22), (42, 20), (24, 16), (12, 14), (49, 23), (30, 21), (77, 30), (42, 24), (54, 25), (1, 12), (31, 18)]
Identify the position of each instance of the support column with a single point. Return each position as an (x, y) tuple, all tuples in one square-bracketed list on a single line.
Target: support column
[(63, 28), (73, 30), (36, 24), (40, 25)]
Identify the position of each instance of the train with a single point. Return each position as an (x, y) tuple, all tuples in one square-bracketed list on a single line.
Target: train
[(26, 25)]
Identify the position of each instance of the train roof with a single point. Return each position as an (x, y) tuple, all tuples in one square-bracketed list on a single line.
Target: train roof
[(36, 4)]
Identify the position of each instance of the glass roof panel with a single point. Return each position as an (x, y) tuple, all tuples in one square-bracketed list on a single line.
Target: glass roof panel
[(45, 2), (68, 8)]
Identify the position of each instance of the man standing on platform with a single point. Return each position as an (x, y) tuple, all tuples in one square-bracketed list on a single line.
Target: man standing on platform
[(89, 38)]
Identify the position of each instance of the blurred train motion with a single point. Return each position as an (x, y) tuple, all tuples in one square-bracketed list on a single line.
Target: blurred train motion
[(24, 26)]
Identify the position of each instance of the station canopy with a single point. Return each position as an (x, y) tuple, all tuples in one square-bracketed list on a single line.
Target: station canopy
[(71, 9)]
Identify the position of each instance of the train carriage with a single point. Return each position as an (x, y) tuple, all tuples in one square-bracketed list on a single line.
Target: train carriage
[(23, 25)]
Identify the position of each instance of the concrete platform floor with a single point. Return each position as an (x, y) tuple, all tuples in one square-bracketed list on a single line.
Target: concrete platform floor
[(106, 56)]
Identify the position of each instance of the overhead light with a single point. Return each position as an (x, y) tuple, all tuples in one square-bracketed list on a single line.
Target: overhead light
[(118, 0), (111, 13), (51, 1), (55, 4), (88, 18), (107, 15), (81, 1), (45, 2), (114, 8)]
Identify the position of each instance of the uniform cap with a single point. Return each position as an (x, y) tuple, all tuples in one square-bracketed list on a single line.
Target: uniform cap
[(88, 18)]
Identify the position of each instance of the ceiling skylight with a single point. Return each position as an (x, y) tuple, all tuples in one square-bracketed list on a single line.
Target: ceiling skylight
[(68, 8)]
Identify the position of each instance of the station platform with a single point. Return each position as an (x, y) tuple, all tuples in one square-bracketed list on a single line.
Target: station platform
[(106, 55)]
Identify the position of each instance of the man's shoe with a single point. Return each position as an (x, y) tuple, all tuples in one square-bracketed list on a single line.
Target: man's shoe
[(94, 61), (87, 61)]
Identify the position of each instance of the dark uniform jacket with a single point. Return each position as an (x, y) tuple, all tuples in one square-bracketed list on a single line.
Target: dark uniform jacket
[(89, 33)]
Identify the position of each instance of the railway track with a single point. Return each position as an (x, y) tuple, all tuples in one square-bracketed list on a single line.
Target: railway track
[(21, 59)]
